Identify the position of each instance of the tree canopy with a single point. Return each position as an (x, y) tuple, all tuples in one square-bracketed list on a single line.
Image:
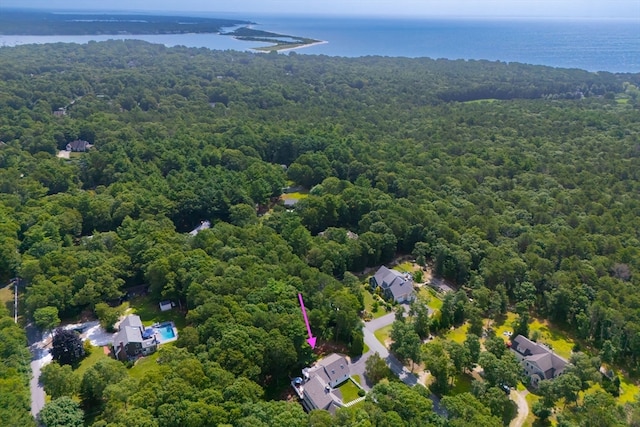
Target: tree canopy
[(517, 183)]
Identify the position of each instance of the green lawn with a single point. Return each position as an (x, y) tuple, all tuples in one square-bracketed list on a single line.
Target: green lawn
[(356, 378), (365, 349), (97, 353), (462, 384), (505, 325), (296, 195), (349, 391), (550, 335), (481, 101), (553, 337), (150, 313), (405, 267), (6, 298), (628, 391), (429, 297), (459, 334), (383, 334), (531, 399), (368, 305), (146, 365)]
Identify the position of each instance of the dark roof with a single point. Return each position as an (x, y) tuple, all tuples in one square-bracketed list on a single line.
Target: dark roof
[(318, 393), (78, 145), (548, 362), (399, 284), (126, 335)]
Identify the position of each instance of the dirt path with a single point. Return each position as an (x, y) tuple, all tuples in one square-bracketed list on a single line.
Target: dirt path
[(523, 408)]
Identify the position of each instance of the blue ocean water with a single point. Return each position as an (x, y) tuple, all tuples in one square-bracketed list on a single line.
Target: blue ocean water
[(593, 45)]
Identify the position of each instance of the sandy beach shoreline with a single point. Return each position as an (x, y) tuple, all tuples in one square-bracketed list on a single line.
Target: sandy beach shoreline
[(287, 49)]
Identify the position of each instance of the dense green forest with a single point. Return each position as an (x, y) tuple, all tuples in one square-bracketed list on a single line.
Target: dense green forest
[(519, 184)]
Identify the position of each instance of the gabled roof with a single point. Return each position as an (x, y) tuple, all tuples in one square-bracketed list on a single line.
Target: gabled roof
[(547, 361), (320, 378), (385, 277), (335, 367), (79, 145), (318, 393), (131, 320), (126, 335), (399, 284)]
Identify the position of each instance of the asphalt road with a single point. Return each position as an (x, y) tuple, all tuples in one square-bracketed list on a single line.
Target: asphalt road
[(40, 358), (405, 375)]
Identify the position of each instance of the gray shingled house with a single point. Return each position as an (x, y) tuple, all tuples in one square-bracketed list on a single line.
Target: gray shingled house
[(395, 285), (317, 387), (539, 362), (78, 146), (132, 340)]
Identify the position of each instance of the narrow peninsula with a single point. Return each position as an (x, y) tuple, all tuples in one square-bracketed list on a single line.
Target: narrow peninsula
[(41, 23)]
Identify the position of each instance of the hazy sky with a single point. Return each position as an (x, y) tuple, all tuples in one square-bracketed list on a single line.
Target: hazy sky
[(415, 8)]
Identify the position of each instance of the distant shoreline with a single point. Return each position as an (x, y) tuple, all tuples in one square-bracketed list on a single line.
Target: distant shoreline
[(283, 48)]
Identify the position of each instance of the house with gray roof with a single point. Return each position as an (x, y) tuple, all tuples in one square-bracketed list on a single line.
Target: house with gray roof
[(317, 388), (78, 146), (132, 340), (538, 361), (395, 285)]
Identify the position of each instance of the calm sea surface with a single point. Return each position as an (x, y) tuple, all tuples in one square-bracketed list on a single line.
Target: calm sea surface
[(607, 45)]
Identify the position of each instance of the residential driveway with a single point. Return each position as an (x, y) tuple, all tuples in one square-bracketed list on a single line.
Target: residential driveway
[(40, 358), (523, 407), (380, 322), (405, 375), (38, 344)]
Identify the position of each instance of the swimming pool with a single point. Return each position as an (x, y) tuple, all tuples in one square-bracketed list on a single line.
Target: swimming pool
[(165, 332)]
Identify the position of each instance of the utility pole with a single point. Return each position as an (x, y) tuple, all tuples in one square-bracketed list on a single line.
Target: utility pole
[(15, 304)]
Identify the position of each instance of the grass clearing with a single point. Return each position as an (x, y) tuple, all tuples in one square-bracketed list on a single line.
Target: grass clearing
[(628, 391), (481, 101), (462, 384), (6, 298), (383, 334), (369, 299), (349, 391), (459, 334), (365, 349), (430, 297), (150, 313), (405, 267), (147, 365), (504, 325), (356, 379), (552, 337), (97, 353), (531, 399)]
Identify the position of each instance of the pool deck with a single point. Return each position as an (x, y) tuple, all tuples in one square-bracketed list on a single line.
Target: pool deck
[(158, 335)]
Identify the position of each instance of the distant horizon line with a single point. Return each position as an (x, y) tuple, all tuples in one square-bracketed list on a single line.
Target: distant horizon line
[(189, 13)]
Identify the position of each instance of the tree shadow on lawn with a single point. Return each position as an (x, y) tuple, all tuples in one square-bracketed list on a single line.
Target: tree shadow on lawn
[(150, 313)]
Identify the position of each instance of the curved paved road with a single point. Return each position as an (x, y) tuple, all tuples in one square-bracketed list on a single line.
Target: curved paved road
[(405, 375)]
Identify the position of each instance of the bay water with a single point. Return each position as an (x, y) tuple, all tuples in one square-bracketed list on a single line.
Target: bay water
[(589, 44)]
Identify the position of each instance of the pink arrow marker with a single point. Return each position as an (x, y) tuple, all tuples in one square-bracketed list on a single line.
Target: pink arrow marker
[(311, 340)]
